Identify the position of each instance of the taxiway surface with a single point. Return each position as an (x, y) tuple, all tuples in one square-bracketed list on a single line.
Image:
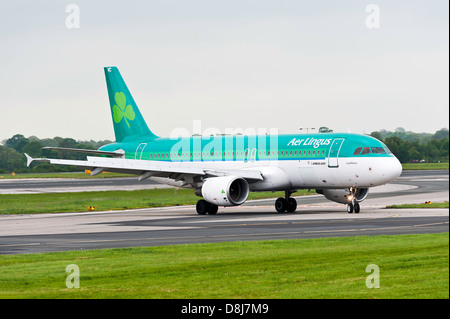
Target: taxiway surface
[(256, 220)]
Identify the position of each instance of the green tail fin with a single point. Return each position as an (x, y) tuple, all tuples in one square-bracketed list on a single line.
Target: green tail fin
[(127, 119)]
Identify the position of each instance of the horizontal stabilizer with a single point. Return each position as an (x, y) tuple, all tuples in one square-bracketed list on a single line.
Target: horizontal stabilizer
[(118, 153)]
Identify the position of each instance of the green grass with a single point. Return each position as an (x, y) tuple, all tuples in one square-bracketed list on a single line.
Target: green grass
[(107, 200), (424, 166), (422, 205), (411, 266)]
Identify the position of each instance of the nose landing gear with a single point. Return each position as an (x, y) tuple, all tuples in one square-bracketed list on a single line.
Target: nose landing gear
[(353, 206)]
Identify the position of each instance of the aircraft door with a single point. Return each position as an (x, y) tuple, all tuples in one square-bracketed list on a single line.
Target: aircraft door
[(250, 155), (140, 150), (333, 154)]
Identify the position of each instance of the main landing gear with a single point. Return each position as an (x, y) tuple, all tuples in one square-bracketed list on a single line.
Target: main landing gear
[(286, 204), (203, 207)]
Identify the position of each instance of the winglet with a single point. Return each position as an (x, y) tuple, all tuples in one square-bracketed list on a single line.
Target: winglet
[(30, 159)]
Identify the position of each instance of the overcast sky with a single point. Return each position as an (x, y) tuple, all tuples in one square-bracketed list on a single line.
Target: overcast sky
[(229, 64)]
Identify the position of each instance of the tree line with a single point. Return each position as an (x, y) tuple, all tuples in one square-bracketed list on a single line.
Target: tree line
[(12, 158), (410, 147), (407, 147)]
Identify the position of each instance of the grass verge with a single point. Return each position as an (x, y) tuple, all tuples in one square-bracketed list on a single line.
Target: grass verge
[(422, 205), (424, 166), (107, 200), (410, 266)]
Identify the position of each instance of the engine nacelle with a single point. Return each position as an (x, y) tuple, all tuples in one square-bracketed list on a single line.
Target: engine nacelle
[(344, 196), (225, 190)]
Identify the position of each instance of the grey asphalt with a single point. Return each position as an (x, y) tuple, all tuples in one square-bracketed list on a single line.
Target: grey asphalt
[(53, 185), (257, 220)]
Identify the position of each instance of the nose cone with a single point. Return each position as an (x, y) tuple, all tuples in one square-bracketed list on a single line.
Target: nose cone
[(393, 169)]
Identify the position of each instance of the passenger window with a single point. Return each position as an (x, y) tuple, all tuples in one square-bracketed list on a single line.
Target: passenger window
[(366, 150), (357, 151)]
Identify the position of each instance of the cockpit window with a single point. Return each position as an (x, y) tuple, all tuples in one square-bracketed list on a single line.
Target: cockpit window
[(378, 150), (357, 151), (387, 150), (366, 150)]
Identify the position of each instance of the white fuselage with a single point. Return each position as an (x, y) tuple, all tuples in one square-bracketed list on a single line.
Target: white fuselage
[(309, 174)]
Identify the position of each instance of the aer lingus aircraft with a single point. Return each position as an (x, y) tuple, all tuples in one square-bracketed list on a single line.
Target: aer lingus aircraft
[(224, 169)]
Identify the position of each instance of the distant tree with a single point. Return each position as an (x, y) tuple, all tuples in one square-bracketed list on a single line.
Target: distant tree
[(67, 142), (441, 134), (33, 149), (444, 150), (17, 142), (377, 135), (399, 147), (324, 129), (414, 154), (10, 159)]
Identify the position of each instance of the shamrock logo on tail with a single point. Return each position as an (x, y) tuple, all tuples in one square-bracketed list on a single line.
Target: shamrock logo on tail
[(121, 110)]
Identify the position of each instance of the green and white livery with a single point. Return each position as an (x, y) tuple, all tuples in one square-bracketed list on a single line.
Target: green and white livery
[(224, 169)]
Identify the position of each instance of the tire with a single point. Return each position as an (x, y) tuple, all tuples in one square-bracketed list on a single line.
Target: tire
[(212, 209), (357, 208), (202, 207), (350, 208), (292, 205), (281, 205)]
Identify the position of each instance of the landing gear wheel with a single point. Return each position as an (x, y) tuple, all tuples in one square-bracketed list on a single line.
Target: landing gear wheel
[(202, 207), (357, 208), (213, 209), (292, 205), (350, 208), (281, 205)]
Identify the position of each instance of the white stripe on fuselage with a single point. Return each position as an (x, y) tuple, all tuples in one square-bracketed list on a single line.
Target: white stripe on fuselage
[(359, 172)]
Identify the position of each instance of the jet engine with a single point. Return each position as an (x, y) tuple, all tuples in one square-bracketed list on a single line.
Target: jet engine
[(225, 190), (345, 196)]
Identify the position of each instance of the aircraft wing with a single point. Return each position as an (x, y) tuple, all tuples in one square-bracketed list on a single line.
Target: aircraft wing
[(174, 170), (119, 153)]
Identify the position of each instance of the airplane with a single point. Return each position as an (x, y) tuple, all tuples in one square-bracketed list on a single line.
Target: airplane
[(223, 169)]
